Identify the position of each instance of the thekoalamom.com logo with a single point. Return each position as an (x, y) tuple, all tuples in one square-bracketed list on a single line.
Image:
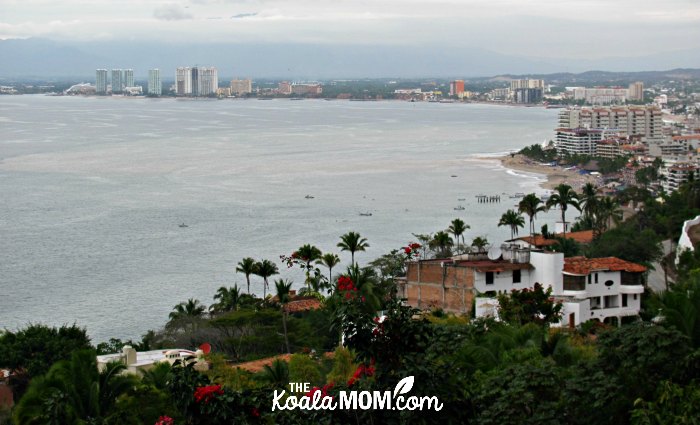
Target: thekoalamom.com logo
[(352, 400)]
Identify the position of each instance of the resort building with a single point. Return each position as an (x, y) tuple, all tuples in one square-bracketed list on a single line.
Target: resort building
[(128, 78), (577, 141), (196, 81), (641, 121), (603, 289), (240, 87), (307, 89), (183, 81), (117, 81), (457, 88)]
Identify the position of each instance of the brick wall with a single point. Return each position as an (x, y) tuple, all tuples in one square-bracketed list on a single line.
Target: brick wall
[(424, 287)]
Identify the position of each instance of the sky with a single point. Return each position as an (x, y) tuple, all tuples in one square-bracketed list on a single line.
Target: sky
[(535, 28)]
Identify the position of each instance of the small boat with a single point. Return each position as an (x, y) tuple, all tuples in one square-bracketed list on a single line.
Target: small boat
[(309, 197), (183, 225), (366, 214), (461, 199), (453, 175), (459, 208)]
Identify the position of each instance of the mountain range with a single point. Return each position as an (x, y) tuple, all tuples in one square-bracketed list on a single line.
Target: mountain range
[(43, 58)]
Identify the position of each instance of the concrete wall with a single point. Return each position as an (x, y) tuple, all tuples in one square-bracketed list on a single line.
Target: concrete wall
[(684, 242)]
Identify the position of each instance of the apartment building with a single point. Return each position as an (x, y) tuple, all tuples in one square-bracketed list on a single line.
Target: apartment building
[(241, 87), (577, 141), (678, 174)]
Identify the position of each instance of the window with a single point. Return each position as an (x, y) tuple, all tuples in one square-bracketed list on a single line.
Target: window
[(596, 278), (589, 279), (489, 278), (635, 297), (609, 283), (516, 276), (624, 300)]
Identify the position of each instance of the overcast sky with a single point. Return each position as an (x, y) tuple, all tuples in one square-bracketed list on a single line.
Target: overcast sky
[(542, 28)]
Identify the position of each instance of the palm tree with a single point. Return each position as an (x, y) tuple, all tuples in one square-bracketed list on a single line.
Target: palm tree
[(562, 197), (512, 219), (608, 212), (74, 391), (229, 299), (276, 374), (329, 260), (187, 312), (265, 269), (353, 242), (588, 200), (457, 228), (283, 286), (442, 241), (247, 267), (308, 254), (531, 205), (367, 284), (480, 244)]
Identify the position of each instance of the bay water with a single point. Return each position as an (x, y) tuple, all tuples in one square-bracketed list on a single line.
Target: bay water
[(93, 192)]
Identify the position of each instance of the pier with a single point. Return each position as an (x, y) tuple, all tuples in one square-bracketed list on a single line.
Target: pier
[(487, 199)]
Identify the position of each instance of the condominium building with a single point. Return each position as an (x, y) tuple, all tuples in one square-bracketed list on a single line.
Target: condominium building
[(155, 86), (636, 91), (128, 78), (196, 81), (640, 121), (678, 174), (308, 89), (577, 141), (241, 87), (101, 81), (601, 95), (117, 81), (284, 87), (526, 84), (183, 81), (457, 88)]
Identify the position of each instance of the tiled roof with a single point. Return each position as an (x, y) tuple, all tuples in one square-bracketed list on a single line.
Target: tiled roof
[(300, 305), (584, 236), (584, 266)]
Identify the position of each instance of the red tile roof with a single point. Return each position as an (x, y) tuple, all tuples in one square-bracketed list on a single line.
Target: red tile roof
[(584, 237), (300, 305), (584, 266)]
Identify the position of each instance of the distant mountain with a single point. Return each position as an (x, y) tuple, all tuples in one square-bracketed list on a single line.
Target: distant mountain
[(607, 77), (78, 60)]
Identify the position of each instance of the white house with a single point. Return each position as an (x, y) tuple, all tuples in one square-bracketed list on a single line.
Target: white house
[(140, 361)]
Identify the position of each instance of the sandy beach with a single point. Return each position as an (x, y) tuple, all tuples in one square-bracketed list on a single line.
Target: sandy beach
[(555, 175)]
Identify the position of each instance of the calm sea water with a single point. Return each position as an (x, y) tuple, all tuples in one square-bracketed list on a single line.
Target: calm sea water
[(92, 191)]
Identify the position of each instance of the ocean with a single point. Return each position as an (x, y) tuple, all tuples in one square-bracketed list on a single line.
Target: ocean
[(93, 190)]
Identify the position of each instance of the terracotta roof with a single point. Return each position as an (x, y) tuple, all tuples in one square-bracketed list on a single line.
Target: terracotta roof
[(584, 236), (584, 266), (687, 137), (306, 304)]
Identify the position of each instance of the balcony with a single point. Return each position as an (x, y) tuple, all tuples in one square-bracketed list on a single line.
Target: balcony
[(631, 289)]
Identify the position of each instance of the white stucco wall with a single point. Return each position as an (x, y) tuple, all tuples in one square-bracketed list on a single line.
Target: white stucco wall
[(684, 241)]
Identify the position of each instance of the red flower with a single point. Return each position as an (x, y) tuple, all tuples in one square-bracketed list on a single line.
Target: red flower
[(414, 246), (369, 371), (255, 412), (407, 250), (165, 420), (326, 388), (351, 382), (313, 391), (207, 393), (363, 298)]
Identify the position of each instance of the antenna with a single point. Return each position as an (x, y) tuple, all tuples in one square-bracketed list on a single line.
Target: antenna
[(494, 253)]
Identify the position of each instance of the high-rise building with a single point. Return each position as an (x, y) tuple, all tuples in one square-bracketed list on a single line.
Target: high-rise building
[(641, 121), (526, 91), (239, 87), (284, 87), (636, 91), (183, 81), (457, 88), (155, 87), (207, 81), (117, 81), (526, 84), (101, 81), (128, 78)]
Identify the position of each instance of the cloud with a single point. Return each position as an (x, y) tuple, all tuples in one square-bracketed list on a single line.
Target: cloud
[(171, 12), (243, 15)]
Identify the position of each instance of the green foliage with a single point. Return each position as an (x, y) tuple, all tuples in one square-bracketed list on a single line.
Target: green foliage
[(303, 368), (537, 153), (569, 247), (627, 243), (343, 365), (35, 348), (534, 305), (673, 405)]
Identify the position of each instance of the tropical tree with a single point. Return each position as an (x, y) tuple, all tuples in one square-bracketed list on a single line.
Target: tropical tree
[(247, 267), (457, 228), (480, 243), (308, 254), (329, 260), (73, 391), (367, 283), (563, 196), (531, 204), (589, 201), (189, 312), (265, 269), (229, 299), (608, 212), (353, 242), (275, 374), (442, 243), (283, 287), (513, 220)]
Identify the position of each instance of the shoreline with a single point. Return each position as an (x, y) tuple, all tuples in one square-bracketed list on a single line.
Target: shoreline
[(553, 175)]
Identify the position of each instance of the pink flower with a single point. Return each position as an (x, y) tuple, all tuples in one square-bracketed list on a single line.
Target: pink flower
[(207, 393), (165, 420)]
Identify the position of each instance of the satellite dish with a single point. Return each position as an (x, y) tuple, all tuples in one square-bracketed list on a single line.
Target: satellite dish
[(206, 348), (494, 253)]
